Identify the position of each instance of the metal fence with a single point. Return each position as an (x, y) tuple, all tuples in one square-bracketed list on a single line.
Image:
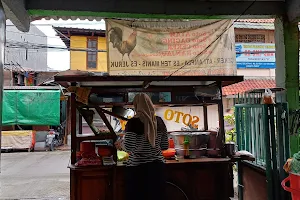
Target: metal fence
[(263, 131)]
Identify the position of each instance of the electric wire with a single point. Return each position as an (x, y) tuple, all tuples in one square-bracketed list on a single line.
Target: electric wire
[(189, 62)]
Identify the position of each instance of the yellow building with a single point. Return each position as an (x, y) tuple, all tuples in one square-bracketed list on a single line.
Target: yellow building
[(85, 46)]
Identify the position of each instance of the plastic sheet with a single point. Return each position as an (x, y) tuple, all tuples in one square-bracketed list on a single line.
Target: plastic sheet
[(31, 107)]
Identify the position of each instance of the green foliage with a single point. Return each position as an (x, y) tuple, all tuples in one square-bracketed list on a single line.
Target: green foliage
[(230, 119), (230, 134)]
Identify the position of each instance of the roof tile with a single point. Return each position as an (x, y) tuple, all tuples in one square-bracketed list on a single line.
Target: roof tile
[(247, 85), (257, 20)]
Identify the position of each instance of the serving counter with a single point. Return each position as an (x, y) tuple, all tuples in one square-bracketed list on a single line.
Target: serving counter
[(187, 179)]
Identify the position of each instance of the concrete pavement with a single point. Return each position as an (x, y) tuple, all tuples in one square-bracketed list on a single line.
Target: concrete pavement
[(35, 175)]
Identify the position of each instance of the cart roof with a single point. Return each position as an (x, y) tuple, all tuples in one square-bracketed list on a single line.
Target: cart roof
[(92, 80)]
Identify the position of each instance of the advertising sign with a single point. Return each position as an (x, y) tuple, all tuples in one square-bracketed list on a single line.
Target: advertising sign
[(180, 117), (204, 47), (245, 58)]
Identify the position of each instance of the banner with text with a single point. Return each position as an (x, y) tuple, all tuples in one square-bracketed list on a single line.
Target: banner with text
[(203, 47), (255, 55), (180, 117)]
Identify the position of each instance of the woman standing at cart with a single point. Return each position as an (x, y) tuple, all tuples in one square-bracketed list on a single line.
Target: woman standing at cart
[(146, 137)]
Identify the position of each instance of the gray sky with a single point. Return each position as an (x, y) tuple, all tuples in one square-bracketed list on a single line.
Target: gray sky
[(60, 59)]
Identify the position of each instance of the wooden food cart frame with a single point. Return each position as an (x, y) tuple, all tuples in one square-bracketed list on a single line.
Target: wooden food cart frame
[(203, 178)]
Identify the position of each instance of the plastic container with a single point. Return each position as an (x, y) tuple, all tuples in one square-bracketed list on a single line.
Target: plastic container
[(104, 151), (87, 147), (169, 153), (294, 188)]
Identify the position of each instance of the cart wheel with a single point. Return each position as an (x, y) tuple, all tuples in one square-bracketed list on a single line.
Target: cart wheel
[(175, 192)]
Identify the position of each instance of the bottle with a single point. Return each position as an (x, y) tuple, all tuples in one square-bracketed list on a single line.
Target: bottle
[(171, 143), (186, 145)]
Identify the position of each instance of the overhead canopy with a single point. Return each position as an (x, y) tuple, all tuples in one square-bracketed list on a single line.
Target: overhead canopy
[(145, 81), (21, 12), (154, 9), (31, 107)]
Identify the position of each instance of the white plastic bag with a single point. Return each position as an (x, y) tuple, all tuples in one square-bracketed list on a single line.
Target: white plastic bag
[(267, 98)]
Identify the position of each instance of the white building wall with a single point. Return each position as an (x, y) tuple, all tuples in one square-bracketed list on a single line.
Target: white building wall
[(16, 51), (255, 73)]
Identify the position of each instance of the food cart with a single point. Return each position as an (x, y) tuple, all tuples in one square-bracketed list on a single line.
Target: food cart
[(193, 179)]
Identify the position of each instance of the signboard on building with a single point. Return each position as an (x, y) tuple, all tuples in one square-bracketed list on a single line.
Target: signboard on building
[(204, 47), (248, 55)]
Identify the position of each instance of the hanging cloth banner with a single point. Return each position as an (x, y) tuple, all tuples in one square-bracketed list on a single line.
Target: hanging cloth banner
[(205, 47)]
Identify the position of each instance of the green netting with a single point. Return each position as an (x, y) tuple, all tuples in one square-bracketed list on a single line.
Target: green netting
[(31, 107), (295, 166)]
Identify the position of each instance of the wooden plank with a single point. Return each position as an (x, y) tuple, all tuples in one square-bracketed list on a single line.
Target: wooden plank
[(84, 78), (110, 128), (96, 132), (80, 124), (112, 114), (94, 137), (199, 160), (105, 120)]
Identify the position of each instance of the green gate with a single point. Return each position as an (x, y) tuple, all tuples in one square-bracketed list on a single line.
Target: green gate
[(263, 131)]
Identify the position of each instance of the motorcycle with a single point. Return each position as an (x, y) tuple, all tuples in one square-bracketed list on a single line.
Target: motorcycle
[(54, 139)]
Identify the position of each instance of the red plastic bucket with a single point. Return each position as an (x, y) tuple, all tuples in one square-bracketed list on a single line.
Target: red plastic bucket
[(294, 188)]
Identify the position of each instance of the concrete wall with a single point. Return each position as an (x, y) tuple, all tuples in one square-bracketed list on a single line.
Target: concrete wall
[(7, 75), (256, 72), (269, 34), (34, 59), (79, 58)]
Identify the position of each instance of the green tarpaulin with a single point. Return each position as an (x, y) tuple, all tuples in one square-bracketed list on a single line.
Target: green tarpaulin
[(31, 107)]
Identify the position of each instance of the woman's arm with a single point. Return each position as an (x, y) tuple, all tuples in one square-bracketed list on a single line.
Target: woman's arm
[(164, 143)]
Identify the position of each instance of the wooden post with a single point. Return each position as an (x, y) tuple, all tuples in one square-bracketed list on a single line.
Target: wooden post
[(221, 138), (73, 128), (80, 124), (287, 67), (205, 117), (68, 121)]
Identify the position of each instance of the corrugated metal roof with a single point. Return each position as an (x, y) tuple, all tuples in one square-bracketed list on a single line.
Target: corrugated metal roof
[(257, 26), (69, 31), (31, 87), (81, 30), (90, 18), (260, 26)]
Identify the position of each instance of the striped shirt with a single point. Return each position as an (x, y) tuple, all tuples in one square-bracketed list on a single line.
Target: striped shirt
[(137, 145)]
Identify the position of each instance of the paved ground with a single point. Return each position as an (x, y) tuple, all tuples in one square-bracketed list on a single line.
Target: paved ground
[(35, 175)]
